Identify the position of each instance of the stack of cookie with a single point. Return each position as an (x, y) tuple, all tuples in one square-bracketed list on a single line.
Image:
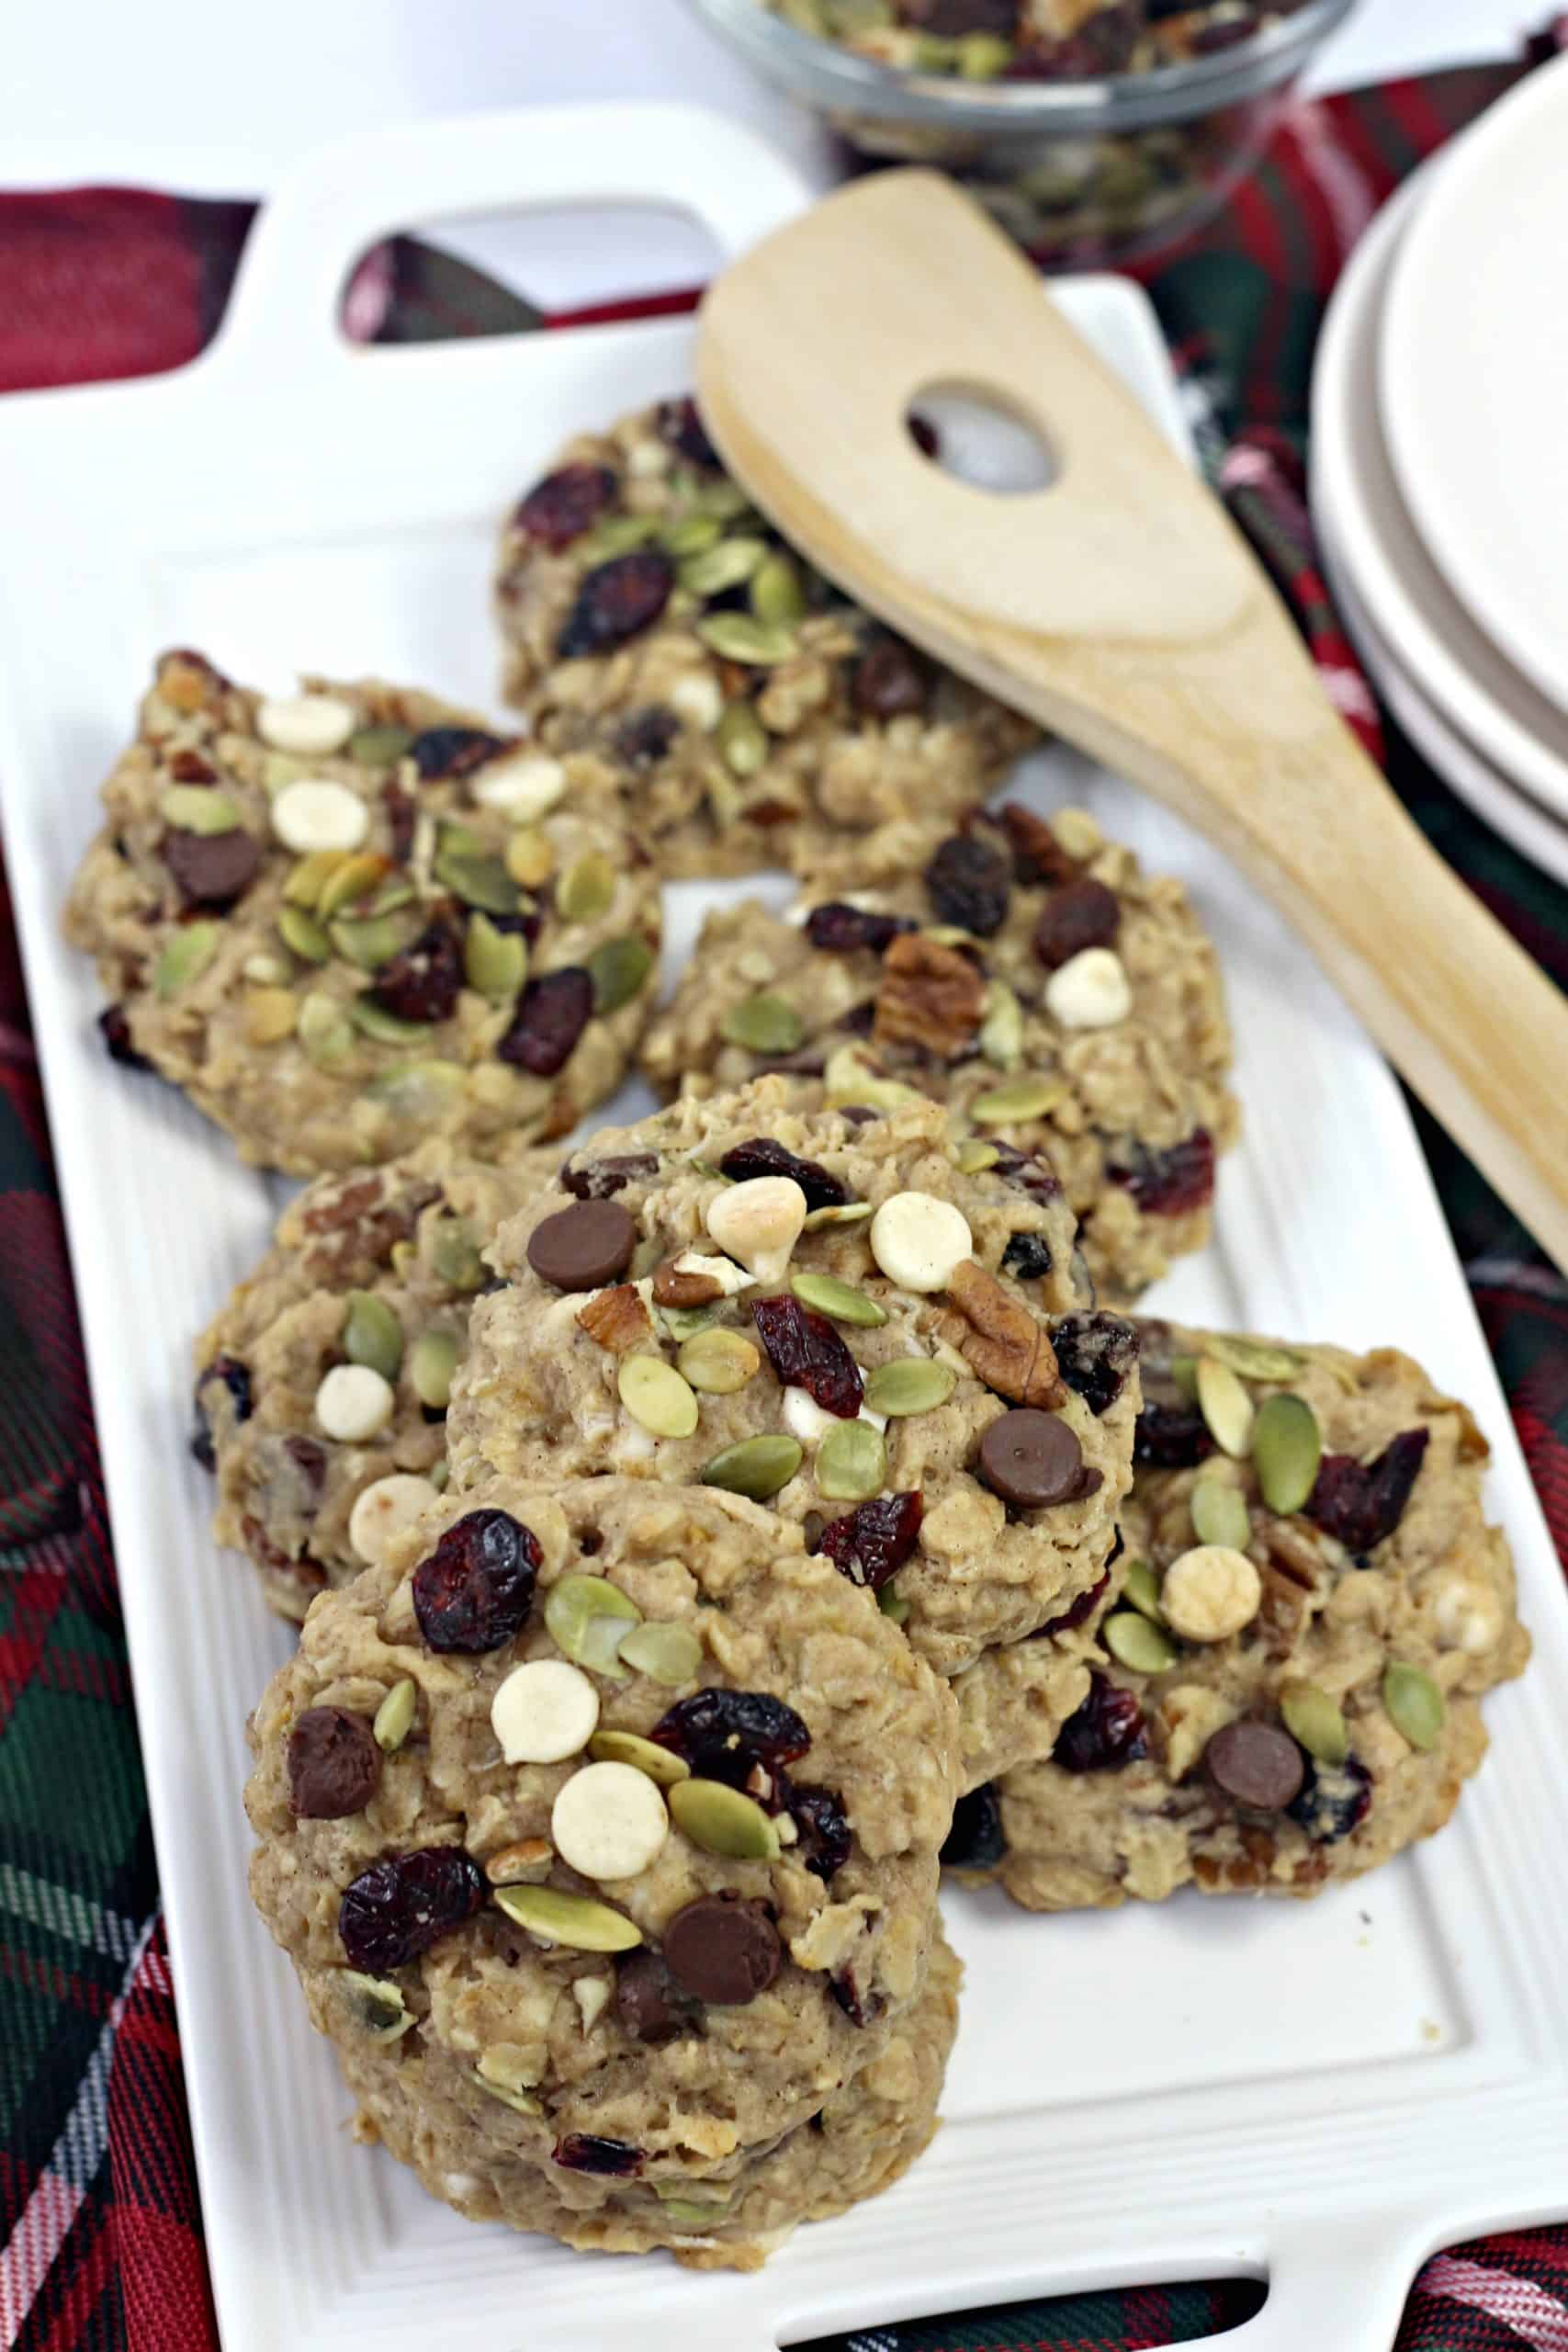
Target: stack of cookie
[(703, 1532)]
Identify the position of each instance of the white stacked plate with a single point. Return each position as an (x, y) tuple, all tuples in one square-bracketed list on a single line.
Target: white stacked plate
[(1440, 464)]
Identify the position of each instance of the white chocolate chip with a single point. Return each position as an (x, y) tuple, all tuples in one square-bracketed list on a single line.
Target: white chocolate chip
[(1210, 1593), (591, 1994), (723, 1271), (1468, 1616), (758, 1223), (1091, 990), (386, 1507), (697, 698), (543, 1711), (608, 1822), (646, 461), (315, 814), (353, 1403), (919, 1240), (804, 1419), (521, 787), (310, 726)]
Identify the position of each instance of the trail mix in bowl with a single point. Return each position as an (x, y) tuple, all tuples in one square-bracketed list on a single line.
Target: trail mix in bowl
[(1031, 40)]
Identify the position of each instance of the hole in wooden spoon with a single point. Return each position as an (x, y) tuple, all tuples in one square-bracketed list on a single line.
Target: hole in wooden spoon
[(980, 440)]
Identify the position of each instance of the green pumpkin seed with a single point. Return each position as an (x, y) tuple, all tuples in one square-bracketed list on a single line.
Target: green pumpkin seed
[(764, 1023), (655, 1396), (851, 1462), (736, 637), (1184, 1377), (370, 942), (1001, 1033), (375, 2005), (1137, 1641), (379, 747), (975, 1155), (1314, 1719), (356, 879), (1415, 1703), (478, 881), (828, 1295), (393, 893), (617, 970), (893, 1604), (689, 535), (911, 1385), (530, 859), (186, 956), (723, 1820), (1226, 1407), (775, 594), (1142, 1589), (717, 569), (617, 535), (439, 1474), (685, 1322), (718, 1361), (575, 1920), (279, 768), (324, 1030), (660, 1764), (1011, 1106), (847, 1080), (587, 890), (588, 1619), (372, 1334), (522, 2102), (687, 2214), (724, 498), (666, 1653), (742, 740), (421, 1092), (1254, 1359), (981, 56), (1286, 1447), (394, 1716), (455, 1255), (198, 809), (757, 1466), (309, 877), (1220, 1514), (432, 1360), (375, 1021), (302, 935), (495, 963), (844, 1213)]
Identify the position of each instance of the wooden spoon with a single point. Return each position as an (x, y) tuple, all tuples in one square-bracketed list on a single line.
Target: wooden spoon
[(1120, 608)]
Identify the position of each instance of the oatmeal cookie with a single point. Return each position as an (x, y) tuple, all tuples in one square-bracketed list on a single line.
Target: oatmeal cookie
[(1314, 1604), (1030, 975), (750, 715), (1030, 41), (322, 1388), (353, 919), (618, 1813), (828, 1315)]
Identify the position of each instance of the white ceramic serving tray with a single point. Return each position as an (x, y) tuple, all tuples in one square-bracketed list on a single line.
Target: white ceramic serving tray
[(1319, 2094)]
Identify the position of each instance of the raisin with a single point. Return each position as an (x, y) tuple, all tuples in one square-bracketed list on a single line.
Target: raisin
[(889, 681), (598, 1180), (680, 426), (856, 2007), (822, 1829), (1027, 1255), (1106, 1733), (763, 1157), (1079, 915), (1079, 1611), (1334, 1800), (975, 1842), (235, 1377), (552, 1015), (401, 814), (1027, 1173), (115, 1030), (722, 1734), (842, 930), (1166, 1182), (1095, 1354), (474, 1590), (615, 600), (644, 738), (1037, 855), (423, 981), (969, 884), (585, 2152), (1361, 1503), (448, 751), (872, 1543), (565, 504), (403, 1903), (189, 767), (1171, 1437), (806, 1352)]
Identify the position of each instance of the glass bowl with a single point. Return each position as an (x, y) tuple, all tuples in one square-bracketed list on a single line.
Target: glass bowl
[(1084, 174)]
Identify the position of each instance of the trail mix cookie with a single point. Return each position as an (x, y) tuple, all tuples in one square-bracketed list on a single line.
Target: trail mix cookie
[(862, 2140), (322, 1388), (829, 1316), (353, 918), (1313, 1605), (1014, 1700), (618, 1814), (750, 714), (1030, 41), (1029, 975)]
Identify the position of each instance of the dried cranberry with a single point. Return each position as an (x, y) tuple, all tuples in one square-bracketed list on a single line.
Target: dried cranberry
[(552, 1015), (1095, 1355), (722, 1734), (1037, 855), (115, 1030), (889, 681), (235, 1377), (806, 1352), (423, 982), (1335, 1799), (405, 1903), (1106, 1733), (842, 930), (585, 2152), (970, 884), (565, 504), (681, 426), (763, 1157), (1166, 1182), (474, 1590), (1361, 1503), (1171, 1437), (598, 1180), (1079, 1611), (976, 1840), (872, 1543), (1027, 1255), (212, 869), (615, 600), (1027, 1173), (448, 751), (189, 767), (400, 817), (1080, 914), (856, 2007), (822, 1829), (644, 738)]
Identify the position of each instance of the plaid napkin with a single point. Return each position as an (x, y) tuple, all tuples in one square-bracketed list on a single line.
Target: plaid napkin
[(102, 2230)]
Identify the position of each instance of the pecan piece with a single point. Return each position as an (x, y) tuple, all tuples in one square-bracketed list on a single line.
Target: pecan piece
[(616, 1317), (1001, 1341), (672, 1287), (930, 997)]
